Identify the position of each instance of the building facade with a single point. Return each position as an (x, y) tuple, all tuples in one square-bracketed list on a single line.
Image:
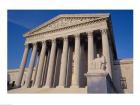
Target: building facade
[(74, 51)]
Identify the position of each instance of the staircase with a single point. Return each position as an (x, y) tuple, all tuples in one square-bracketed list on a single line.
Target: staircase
[(49, 90)]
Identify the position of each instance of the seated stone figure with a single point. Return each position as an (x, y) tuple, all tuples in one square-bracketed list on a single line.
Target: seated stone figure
[(99, 63)]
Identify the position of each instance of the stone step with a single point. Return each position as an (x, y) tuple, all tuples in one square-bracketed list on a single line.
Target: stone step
[(48, 90)]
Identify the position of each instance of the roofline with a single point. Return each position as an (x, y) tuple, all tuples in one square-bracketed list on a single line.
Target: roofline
[(67, 15), (123, 61)]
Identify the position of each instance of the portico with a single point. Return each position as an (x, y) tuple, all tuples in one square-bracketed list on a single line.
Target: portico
[(63, 50)]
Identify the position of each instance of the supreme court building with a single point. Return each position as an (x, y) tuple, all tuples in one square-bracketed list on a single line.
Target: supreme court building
[(73, 53)]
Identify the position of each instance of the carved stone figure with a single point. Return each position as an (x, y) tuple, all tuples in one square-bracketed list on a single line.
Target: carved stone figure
[(64, 22), (99, 63)]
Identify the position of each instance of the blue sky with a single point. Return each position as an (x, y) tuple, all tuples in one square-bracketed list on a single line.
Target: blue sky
[(21, 21)]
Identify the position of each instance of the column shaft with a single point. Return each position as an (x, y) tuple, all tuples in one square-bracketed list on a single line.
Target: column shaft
[(51, 65), (46, 66), (22, 66), (69, 67), (90, 51), (43, 71), (63, 64), (106, 50), (57, 68), (30, 70), (36, 68), (40, 66), (75, 82)]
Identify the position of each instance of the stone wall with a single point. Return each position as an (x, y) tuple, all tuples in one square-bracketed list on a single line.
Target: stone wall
[(12, 75), (122, 74)]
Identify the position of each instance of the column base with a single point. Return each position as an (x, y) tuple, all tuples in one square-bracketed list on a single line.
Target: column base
[(36, 86), (74, 86), (46, 87), (24, 86), (18, 86), (97, 82), (60, 87)]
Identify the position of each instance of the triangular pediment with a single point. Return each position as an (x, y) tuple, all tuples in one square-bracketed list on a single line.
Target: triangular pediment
[(66, 20)]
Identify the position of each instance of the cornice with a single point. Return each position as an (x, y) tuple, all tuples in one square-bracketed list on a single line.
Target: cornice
[(123, 61), (96, 16), (69, 27)]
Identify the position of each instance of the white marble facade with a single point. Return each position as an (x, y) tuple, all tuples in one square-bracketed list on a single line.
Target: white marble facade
[(70, 51)]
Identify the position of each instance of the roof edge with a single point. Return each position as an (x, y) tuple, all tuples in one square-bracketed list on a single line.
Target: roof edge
[(67, 15)]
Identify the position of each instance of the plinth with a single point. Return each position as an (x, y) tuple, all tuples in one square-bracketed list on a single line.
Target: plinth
[(97, 82)]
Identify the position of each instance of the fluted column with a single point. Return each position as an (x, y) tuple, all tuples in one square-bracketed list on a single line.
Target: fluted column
[(75, 82), (69, 66), (46, 66), (40, 66), (90, 51), (106, 49), (22, 66), (63, 63), (51, 65), (43, 72), (36, 68), (31, 64)]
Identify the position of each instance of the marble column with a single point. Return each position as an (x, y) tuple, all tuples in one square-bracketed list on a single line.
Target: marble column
[(69, 67), (75, 82), (51, 65), (106, 50), (63, 63), (40, 66), (90, 51), (22, 66), (31, 64), (46, 66), (57, 68), (43, 71), (36, 68)]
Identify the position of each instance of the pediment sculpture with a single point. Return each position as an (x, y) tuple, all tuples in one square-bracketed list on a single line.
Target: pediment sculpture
[(63, 22)]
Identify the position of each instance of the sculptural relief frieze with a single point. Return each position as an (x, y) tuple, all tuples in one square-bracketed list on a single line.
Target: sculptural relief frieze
[(63, 22), (84, 27)]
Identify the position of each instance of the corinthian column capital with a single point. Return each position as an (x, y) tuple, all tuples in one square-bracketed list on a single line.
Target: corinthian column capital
[(43, 42), (90, 33), (65, 38), (54, 40), (34, 44), (77, 36), (26, 45), (104, 31)]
